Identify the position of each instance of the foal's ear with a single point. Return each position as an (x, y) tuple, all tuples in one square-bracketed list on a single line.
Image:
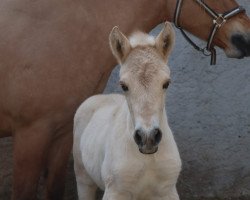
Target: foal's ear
[(165, 40), (119, 44)]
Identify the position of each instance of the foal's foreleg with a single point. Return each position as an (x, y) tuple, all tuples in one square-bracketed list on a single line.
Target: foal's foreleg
[(86, 187), (85, 190), (111, 194)]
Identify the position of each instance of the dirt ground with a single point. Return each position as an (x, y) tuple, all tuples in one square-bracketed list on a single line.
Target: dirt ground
[(70, 193), (6, 173)]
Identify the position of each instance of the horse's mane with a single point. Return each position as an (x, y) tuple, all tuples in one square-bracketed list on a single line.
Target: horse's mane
[(141, 39)]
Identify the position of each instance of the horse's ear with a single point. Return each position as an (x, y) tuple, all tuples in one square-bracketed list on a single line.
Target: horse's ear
[(165, 40), (119, 44)]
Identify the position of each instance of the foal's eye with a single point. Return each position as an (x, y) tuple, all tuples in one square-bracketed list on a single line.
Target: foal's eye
[(165, 85), (124, 87)]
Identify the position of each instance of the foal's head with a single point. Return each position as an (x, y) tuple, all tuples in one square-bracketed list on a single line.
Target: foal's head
[(144, 78)]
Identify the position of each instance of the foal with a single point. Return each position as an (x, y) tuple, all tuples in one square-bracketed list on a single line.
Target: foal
[(123, 143)]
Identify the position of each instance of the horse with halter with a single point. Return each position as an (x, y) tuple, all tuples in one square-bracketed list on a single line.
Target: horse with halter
[(54, 54)]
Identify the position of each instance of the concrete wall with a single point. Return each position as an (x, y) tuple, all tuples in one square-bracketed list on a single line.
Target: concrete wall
[(209, 112)]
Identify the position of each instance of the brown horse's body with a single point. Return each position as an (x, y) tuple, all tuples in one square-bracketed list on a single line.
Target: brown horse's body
[(53, 55)]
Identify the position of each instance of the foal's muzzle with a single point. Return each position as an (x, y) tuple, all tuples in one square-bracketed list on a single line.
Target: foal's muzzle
[(148, 141)]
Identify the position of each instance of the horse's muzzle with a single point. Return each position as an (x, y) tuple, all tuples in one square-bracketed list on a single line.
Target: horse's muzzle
[(242, 43)]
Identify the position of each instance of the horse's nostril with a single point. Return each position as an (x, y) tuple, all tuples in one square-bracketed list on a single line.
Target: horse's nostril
[(138, 137), (157, 135), (237, 38), (242, 44)]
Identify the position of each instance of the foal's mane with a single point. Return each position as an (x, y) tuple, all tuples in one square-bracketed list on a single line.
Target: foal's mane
[(141, 39)]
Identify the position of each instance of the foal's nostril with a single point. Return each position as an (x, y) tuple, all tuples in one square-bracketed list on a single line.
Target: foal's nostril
[(150, 140), (138, 137), (157, 135)]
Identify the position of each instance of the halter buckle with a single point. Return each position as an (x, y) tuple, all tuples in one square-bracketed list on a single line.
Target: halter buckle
[(219, 20), (206, 52)]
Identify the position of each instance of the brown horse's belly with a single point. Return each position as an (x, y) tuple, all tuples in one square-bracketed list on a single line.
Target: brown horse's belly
[(5, 130), (5, 122), (48, 95)]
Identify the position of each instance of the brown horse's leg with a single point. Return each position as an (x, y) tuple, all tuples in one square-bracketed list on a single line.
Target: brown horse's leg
[(57, 164), (30, 151)]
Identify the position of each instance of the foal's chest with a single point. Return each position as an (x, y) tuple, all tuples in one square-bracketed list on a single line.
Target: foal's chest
[(146, 178)]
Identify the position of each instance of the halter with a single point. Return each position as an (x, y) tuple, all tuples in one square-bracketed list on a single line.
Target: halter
[(218, 21)]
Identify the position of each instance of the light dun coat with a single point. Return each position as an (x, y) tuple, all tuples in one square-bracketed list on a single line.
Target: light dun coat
[(123, 143)]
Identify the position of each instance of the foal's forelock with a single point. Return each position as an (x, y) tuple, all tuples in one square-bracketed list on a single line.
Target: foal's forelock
[(141, 39)]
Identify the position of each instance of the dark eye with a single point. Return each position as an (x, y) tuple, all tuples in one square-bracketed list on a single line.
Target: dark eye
[(165, 85), (124, 87)]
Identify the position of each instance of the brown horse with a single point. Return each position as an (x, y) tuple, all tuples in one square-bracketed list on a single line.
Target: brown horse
[(54, 54)]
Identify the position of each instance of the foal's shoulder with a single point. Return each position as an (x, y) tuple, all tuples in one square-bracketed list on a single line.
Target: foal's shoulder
[(96, 102), (104, 100)]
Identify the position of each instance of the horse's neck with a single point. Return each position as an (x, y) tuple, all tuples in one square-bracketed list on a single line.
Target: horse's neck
[(135, 14), (130, 16), (170, 6), (155, 12)]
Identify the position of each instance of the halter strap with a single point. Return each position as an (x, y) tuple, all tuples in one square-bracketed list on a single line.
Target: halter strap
[(218, 21)]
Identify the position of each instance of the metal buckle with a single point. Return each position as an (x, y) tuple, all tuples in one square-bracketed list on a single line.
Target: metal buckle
[(206, 52), (219, 20)]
